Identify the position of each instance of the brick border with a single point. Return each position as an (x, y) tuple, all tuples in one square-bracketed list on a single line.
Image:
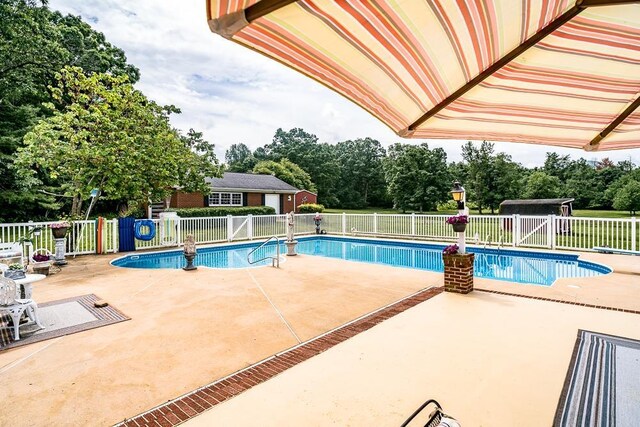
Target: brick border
[(193, 403), (601, 307)]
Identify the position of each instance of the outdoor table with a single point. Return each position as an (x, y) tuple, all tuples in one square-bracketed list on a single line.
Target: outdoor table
[(25, 284)]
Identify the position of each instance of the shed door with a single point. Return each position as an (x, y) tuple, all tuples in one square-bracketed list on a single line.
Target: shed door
[(272, 200)]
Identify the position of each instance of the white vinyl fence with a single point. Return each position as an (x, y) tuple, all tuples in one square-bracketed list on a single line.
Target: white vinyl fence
[(501, 230)]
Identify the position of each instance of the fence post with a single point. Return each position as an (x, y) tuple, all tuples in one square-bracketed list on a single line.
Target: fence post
[(515, 228), (250, 227), (413, 223), (178, 231), (633, 233), (344, 223), (229, 228), (375, 222), (551, 231), (114, 235)]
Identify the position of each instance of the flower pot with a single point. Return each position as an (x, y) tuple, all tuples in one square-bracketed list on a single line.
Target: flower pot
[(41, 270), (190, 257), (41, 267), (59, 233), (459, 228), (15, 274)]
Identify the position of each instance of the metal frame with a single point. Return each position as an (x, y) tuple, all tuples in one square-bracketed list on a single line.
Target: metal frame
[(275, 261), (530, 42)]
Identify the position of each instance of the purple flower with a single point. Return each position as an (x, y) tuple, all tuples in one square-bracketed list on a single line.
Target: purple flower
[(63, 224), (40, 258), (458, 219), (450, 250)]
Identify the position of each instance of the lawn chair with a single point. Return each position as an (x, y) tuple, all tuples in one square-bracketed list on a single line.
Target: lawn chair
[(15, 307), (10, 253), (437, 418)]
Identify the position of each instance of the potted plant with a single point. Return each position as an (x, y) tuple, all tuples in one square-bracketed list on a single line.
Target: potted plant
[(15, 271), (451, 250), (41, 262), (59, 229), (458, 222)]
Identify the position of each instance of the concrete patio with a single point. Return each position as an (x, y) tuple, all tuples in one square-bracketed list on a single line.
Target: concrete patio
[(491, 359)]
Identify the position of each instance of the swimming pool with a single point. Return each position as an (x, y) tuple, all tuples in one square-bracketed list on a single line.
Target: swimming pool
[(526, 267)]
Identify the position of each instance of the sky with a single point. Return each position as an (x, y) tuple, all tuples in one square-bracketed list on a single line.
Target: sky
[(234, 95)]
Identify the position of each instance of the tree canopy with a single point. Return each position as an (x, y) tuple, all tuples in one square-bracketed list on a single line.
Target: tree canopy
[(287, 171), (35, 44), (109, 136), (417, 177), (628, 197), (362, 181)]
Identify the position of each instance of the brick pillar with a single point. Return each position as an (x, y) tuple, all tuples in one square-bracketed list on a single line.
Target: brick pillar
[(458, 273)]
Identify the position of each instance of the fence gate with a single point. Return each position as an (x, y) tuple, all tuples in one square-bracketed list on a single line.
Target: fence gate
[(534, 231), (238, 227)]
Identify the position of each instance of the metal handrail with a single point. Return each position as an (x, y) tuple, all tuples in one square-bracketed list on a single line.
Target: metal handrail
[(275, 261)]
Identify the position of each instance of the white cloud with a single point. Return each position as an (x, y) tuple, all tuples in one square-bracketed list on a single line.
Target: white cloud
[(235, 95)]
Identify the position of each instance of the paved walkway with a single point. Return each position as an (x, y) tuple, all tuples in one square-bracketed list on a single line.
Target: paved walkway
[(490, 360)]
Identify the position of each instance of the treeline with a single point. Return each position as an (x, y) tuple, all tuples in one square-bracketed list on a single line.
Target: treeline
[(361, 173), (71, 121)]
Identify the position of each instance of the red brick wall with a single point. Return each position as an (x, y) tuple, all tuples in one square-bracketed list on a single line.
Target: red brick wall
[(287, 205), (187, 200), (458, 273), (310, 198)]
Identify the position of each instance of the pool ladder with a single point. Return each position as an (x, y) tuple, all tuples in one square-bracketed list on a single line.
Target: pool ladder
[(275, 260), (488, 241)]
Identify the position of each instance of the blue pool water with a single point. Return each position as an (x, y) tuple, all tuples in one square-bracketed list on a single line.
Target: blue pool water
[(513, 266)]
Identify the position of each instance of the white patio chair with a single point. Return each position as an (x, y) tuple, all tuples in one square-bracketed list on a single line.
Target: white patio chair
[(15, 307), (11, 252)]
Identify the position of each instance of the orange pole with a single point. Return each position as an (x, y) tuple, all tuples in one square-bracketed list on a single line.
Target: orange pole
[(99, 235)]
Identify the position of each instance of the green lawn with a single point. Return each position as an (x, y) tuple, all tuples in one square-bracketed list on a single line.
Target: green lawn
[(586, 213), (382, 211), (582, 213)]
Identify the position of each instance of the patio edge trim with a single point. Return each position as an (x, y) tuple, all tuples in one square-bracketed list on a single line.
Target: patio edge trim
[(599, 307), (189, 405)]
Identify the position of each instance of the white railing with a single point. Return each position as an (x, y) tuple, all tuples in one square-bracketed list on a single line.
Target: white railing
[(506, 230)]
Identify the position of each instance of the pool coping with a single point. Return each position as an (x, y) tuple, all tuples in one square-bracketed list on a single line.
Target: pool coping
[(581, 304), (559, 255), (193, 403)]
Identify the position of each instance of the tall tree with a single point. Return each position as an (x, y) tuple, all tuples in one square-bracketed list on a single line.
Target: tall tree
[(317, 159), (35, 43), (479, 173), (361, 173), (540, 185), (581, 182), (506, 183), (111, 137), (557, 165), (418, 177), (239, 158), (628, 197), (287, 171)]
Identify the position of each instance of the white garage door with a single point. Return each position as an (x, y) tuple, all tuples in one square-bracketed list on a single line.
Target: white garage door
[(272, 200)]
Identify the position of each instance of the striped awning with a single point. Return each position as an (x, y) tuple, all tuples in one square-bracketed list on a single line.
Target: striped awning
[(552, 72)]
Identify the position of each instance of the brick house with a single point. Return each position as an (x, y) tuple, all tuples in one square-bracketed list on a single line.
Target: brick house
[(245, 189)]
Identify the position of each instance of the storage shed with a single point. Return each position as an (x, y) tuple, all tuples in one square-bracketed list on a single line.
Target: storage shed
[(537, 208), (560, 207)]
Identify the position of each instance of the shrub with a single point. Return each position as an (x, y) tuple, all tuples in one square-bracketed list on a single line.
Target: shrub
[(223, 211), (310, 208)]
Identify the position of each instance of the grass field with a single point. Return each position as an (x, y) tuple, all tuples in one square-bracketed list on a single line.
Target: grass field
[(580, 213)]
